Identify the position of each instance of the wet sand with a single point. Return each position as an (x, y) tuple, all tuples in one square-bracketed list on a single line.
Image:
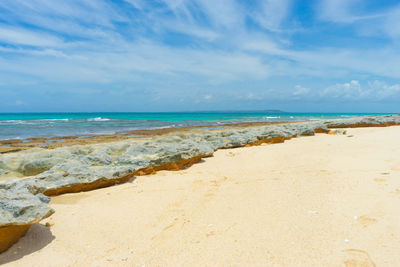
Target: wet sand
[(326, 200)]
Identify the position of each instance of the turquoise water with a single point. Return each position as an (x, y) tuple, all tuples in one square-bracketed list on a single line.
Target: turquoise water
[(24, 125)]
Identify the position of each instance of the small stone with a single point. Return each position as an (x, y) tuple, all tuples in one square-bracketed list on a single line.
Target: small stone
[(49, 224), (338, 132)]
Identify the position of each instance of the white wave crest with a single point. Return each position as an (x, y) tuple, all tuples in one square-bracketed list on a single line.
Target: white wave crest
[(271, 117), (99, 119)]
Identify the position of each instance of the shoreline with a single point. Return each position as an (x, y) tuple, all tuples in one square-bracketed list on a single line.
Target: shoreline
[(53, 142), (57, 172), (306, 206), (16, 145)]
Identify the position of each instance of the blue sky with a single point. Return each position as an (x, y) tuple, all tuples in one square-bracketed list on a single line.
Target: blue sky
[(178, 55)]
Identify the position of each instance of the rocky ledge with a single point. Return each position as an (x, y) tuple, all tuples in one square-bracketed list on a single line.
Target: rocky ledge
[(370, 121), (19, 209), (36, 172)]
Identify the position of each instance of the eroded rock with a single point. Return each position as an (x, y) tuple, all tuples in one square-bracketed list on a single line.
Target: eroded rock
[(370, 121), (86, 167), (19, 209)]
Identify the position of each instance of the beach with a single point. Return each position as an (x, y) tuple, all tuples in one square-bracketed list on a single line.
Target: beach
[(323, 200), (199, 133)]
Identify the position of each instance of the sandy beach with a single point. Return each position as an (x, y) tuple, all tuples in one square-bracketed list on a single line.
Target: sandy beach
[(324, 200)]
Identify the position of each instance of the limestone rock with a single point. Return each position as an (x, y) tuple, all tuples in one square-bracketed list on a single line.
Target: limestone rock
[(109, 163), (370, 121), (86, 167), (18, 206), (19, 209)]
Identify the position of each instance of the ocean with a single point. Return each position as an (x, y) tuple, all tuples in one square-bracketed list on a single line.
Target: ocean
[(25, 125)]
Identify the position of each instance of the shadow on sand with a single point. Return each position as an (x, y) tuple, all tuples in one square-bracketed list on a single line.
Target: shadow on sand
[(38, 237)]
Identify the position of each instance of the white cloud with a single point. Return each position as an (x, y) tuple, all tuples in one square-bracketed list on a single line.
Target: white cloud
[(139, 4), (353, 90), (261, 44), (19, 36), (338, 10), (384, 22), (382, 90), (135, 59), (391, 24), (350, 90), (193, 30), (79, 41), (225, 13), (300, 90), (271, 13)]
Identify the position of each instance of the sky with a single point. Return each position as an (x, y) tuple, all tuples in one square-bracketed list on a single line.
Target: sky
[(188, 55)]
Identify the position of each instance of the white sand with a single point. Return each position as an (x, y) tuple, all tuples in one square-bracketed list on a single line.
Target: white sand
[(312, 201)]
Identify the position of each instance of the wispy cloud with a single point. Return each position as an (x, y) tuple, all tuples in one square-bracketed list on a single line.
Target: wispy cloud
[(272, 13), (19, 36), (372, 21), (355, 91), (245, 49), (339, 10)]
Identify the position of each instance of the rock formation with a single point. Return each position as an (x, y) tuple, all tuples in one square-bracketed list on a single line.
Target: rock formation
[(19, 209), (39, 171)]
